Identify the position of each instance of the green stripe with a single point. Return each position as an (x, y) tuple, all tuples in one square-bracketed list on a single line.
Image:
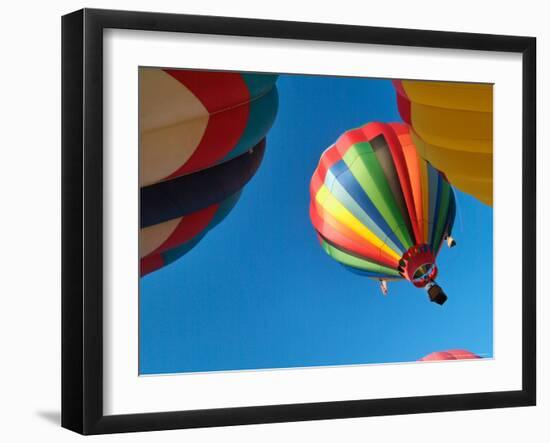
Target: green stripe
[(433, 177), (442, 215), (363, 164), (355, 262)]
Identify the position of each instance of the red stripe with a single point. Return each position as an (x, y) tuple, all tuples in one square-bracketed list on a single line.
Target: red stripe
[(188, 228), (398, 85), (350, 138), (373, 130), (217, 91), (401, 130), (315, 184), (328, 158), (403, 102), (150, 263)]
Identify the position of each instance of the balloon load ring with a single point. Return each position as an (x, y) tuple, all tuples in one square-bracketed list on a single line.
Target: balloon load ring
[(418, 265)]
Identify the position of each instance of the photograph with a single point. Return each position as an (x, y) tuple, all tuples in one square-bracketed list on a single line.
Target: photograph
[(297, 220), (284, 222)]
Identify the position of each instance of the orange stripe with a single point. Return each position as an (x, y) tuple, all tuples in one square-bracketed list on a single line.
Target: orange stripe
[(416, 187), (391, 134)]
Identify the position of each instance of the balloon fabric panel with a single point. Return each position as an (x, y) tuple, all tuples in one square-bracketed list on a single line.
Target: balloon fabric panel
[(187, 194)]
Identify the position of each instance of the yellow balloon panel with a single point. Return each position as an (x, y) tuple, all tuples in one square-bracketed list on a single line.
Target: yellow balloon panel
[(451, 95), (459, 130), (453, 129), (479, 188), (476, 165)]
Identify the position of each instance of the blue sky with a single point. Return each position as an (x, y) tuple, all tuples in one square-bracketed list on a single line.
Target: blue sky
[(258, 291)]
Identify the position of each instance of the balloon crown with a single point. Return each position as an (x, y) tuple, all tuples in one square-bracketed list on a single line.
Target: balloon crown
[(418, 265)]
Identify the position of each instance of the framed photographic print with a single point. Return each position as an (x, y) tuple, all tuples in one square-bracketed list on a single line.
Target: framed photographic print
[(270, 221)]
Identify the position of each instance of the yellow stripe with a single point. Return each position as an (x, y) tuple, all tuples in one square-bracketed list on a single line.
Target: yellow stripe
[(330, 204)]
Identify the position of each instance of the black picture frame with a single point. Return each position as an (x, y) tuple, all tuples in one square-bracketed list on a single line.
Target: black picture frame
[(82, 218)]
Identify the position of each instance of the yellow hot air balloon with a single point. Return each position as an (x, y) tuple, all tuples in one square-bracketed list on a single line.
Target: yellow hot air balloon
[(452, 127)]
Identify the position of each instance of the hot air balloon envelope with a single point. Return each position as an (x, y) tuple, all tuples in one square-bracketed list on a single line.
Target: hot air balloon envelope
[(379, 208)]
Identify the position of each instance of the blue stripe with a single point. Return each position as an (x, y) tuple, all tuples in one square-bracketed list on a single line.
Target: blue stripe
[(432, 199), (452, 212), (445, 189), (348, 181), (436, 210)]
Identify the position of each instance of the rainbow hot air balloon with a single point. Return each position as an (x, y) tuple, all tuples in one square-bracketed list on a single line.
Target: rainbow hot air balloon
[(193, 120), (452, 128), (380, 210), (452, 354)]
